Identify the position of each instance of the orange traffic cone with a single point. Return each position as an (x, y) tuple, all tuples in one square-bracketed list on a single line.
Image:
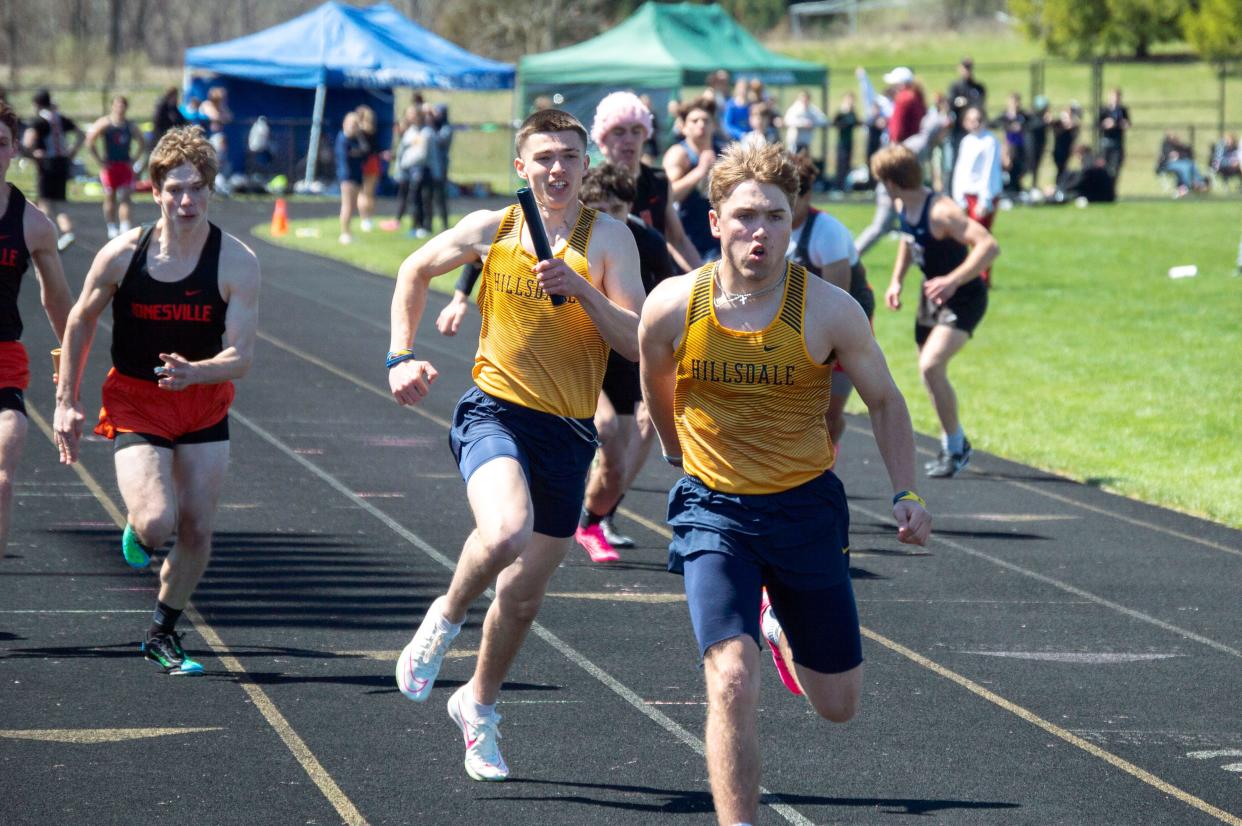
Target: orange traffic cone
[(280, 218)]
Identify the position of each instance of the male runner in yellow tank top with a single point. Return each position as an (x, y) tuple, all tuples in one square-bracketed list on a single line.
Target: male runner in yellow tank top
[(736, 369), (524, 436)]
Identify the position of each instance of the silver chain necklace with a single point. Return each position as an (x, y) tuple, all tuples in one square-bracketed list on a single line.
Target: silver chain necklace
[(742, 298)]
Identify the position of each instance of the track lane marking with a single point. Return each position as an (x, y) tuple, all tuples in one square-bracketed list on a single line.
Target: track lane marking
[(544, 633), (440, 350), (1056, 731), (1140, 523), (695, 743), (93, 736), (301, 752)]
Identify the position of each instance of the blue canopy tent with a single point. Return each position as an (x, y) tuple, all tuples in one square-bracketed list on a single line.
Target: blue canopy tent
[(355, 52)]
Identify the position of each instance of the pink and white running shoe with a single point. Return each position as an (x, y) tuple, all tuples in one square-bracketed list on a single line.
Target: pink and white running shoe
[(420, 661), (597, 546), (481, 736), (772, 633)]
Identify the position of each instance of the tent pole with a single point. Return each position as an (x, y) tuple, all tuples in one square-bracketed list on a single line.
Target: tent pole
[(312, 149)]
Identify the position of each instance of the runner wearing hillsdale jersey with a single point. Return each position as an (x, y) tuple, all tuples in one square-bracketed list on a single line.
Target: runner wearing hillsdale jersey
[(26, 236), (184, 299)]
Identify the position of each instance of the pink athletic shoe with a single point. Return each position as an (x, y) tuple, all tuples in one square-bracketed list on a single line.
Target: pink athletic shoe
[(597, 546), (772, 633)]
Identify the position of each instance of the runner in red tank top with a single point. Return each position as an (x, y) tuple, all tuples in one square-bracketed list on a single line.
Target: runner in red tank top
[(184, 297), (26, 235)]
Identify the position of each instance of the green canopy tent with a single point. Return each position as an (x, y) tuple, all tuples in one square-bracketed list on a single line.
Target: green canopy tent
[(659, 49)]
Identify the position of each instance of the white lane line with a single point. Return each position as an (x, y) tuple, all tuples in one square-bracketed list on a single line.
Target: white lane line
[(1212, 754), (258, 697), (1070, 589), (1076, 657), (570, 653), (1066, 500), (76, 610)]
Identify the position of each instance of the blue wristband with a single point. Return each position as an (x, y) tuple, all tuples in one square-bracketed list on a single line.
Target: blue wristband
[(395, 357), (909, 496)]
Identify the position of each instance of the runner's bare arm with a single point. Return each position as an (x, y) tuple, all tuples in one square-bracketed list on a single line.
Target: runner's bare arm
[(892, 296), (837, 324), (102, 279), (948, 220), (679, 247), (53, 288), (615, 304), (660, 331), (239, 287), (92, 139), (468, 241)]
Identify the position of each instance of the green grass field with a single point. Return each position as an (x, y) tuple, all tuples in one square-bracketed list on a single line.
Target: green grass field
[(1091, 361)]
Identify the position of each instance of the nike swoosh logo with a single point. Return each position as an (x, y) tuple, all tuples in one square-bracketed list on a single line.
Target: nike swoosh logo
[(470, 741), (768, 349), (192, 292), (417, 684)]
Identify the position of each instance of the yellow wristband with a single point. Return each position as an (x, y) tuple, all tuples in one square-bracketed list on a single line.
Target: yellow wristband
[(909, 496)]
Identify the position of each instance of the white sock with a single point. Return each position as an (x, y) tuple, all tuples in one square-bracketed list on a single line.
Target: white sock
[(473, 708), (442, 622), (125, 227), (955, 442)]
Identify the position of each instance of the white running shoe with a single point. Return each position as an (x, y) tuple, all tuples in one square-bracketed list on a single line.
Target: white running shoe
[(420, 661), (367, 226), (483, 760), (113, 231), (65, 241), (346, 238)]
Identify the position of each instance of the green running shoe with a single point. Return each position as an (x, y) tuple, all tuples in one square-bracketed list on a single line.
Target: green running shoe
[(136, 555), (165, 651)]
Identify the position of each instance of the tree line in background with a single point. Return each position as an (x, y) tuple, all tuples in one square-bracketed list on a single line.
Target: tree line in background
[(1096, 28), (96, 41)]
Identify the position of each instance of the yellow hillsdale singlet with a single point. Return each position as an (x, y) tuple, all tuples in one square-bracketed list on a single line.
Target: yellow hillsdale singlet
[(750, 406), (531, 353)]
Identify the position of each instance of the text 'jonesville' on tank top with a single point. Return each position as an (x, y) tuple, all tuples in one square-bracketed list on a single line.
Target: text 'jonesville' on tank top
[(532, 353), (14, 261), (150, 317), (749, 406)]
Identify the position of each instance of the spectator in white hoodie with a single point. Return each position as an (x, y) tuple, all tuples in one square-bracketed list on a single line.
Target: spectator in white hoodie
[(977, 180)]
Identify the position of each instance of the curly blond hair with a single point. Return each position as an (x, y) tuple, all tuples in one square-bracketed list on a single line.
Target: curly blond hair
[(185, 144), (765, 164)]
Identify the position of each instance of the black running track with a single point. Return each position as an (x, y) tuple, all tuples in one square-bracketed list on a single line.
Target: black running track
[(1058, 655)]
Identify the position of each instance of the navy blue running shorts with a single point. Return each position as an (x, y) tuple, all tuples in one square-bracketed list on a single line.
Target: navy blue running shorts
[(555, 453), (796, 543)]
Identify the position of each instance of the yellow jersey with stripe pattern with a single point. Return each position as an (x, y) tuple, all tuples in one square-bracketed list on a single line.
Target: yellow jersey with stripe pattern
[(531, 353), (750, 406)]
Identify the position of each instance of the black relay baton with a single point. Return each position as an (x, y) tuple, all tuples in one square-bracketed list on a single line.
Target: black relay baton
[(538, 235)]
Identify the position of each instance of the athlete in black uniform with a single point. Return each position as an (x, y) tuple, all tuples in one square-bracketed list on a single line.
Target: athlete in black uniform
[(26, 235), (625, 431), (184, 297), (953, 251)]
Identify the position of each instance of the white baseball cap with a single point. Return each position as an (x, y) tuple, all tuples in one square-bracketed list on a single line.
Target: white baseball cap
[(900, 75)]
